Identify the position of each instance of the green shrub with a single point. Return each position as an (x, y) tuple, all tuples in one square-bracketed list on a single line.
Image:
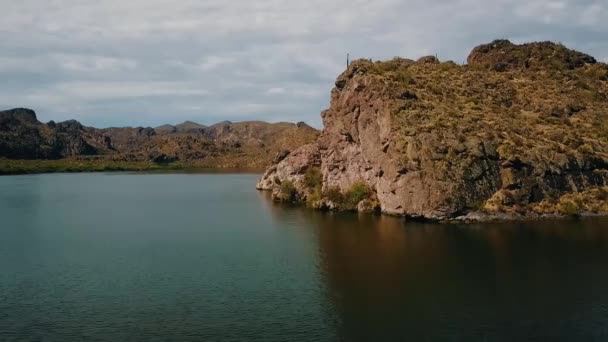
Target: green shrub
[(288, 190), (569, 208), (313, 178), (357, 192), (334, 194), (314, 197)]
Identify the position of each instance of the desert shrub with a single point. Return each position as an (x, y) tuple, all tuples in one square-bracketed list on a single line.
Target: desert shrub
[(334, 194), (586, 148), (473, 100), (569, 208), (603, 194), (288, 190), (480, 205), (506, 151), (314, 197), (446, 66), (313, 178), (403, 76), (603, 130), (588, 95), (394, 65), (357, 192), (435, 88)]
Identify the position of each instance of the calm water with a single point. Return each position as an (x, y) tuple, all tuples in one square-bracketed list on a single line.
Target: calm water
[(204, 257)]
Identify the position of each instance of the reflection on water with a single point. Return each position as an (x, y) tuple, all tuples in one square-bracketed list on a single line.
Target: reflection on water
[(392, 280), (204, 257)]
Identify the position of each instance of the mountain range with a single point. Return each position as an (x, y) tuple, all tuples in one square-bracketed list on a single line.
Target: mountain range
[(225, 144)]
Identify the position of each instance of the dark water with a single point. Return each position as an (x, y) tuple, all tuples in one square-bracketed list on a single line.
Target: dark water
[(177, 257)]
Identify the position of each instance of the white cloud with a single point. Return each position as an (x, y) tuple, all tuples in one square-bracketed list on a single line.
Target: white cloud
[(64, 93), (275, 91), (214, 62), (99, 59), (88, 63)]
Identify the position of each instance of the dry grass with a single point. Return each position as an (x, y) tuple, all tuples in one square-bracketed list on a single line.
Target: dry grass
[(533, 115)]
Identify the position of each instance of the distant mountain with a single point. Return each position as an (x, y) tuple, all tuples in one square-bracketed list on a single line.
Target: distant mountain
[(165, 129), (189, 126), (241, 144)]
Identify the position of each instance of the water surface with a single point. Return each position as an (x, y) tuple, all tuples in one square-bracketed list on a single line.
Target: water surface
[(204, 257)]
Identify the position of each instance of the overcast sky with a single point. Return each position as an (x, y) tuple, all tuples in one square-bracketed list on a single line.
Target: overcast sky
[(149, 62)]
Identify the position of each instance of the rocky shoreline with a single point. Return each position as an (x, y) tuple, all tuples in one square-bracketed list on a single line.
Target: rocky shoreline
[(482, 217), (517, 133)]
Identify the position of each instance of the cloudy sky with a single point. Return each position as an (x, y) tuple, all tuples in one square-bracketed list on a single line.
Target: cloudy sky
[(149, 62)]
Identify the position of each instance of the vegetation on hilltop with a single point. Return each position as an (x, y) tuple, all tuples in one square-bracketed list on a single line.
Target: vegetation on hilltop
[(517, 126), (539, 103)]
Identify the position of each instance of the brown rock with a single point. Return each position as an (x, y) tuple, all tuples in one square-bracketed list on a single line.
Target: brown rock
[(468, 148)]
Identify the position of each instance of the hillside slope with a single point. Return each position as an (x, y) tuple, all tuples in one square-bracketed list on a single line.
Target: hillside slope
[(241, 144), (519, 130)]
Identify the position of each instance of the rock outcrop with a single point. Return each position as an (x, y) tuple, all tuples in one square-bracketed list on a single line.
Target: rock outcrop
[(516, 131), (240, 144), (22, 136)]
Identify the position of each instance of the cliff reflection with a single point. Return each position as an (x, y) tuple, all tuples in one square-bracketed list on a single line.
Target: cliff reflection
[(391, 280)]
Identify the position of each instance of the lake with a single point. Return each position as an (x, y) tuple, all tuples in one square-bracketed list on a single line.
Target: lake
[(205, 257)]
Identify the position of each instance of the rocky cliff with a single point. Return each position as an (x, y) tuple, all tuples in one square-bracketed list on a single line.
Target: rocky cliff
[(519, 130), (241, 144)]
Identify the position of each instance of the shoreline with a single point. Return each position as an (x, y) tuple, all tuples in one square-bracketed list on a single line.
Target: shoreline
[(12, 167), (480, 217), (471, 217)]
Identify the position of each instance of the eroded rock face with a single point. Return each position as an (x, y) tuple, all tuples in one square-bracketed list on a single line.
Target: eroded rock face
[(437, 140), (291, 167), (22, 136)]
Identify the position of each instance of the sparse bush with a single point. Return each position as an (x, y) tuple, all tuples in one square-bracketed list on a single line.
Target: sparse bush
[(480, 205), (603, 194), (586, 148), (394, 65), (446, 66), (313, 178), (334, 194), (569, 208), (603, 130), (357, 192), (288, 190), (314, 197), (506, 151), (403, 76)]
